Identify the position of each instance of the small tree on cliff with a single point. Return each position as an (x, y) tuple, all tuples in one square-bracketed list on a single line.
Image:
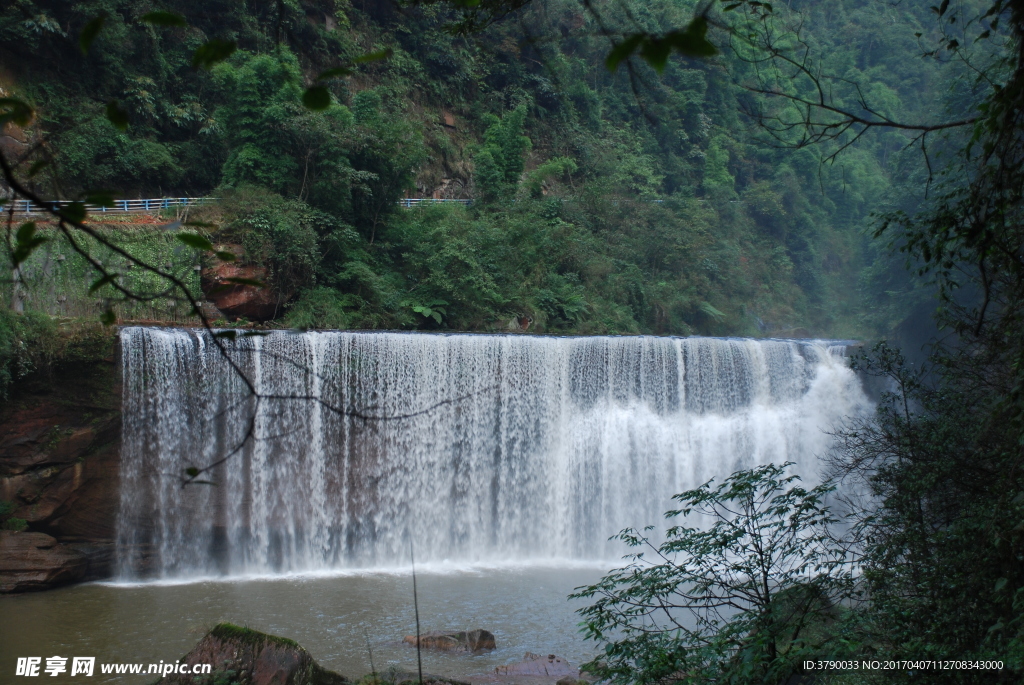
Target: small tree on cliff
[(745, 599), (499, 163)]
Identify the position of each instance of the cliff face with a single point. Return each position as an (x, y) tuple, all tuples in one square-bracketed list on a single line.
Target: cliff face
[(59, 460)]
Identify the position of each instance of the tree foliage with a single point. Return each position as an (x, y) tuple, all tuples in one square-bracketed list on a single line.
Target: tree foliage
[(743, 590), (750, 247)]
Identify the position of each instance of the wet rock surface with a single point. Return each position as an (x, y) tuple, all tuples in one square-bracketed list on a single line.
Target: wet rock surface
[(538, 665), (535, 669), (59, 472), (36, 561), (248, 657), (455, 641)]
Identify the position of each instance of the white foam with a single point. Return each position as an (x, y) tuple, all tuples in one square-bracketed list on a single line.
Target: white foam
[(555, 444)]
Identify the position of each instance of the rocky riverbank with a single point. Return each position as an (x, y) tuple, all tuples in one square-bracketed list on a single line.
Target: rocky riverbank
[(249, 657)]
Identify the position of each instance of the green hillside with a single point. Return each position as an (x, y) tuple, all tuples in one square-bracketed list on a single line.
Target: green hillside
[(625, 202)]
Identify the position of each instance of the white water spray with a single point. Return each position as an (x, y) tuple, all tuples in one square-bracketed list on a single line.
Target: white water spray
[(540, 448)]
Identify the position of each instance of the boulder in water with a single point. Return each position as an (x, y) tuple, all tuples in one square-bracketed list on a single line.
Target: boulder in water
[(537, 665), (248, 657), (455, 641)]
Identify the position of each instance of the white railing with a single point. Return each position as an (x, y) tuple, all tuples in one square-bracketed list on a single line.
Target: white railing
[(156, 204), (119, 206), (417, 201), (159, 203)]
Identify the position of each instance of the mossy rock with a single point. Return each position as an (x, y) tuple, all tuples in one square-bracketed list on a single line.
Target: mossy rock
[(242, 656)]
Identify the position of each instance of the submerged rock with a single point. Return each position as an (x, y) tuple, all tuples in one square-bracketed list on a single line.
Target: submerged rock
[(248, 657), (537, 665), (455, 641)]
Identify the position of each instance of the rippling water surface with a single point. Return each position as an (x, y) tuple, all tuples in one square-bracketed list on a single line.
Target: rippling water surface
[(525, 607)]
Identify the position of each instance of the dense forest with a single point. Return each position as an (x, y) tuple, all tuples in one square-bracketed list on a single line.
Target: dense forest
[(603, 202), (692, 199)]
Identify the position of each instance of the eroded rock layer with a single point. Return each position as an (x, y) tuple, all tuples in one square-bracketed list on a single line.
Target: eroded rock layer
[(59, 471)]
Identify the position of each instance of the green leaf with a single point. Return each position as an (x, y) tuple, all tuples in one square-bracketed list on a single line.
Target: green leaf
[(90, 31), (374, 56), (106, 279), (196, 241), (623, 50), (225, 256), (710, 310), (37, 166), (655, 51), (226, 335), (210, 53), (163, 19), (693, 42), (245, 281), (116, 115), (730, 8), (15, 111), (1000, 584), (100, 198), (25, 242), (108, 318), (943, 7), (317, 98), (74, 212), (333, 73), (191, 472), (25, 231)]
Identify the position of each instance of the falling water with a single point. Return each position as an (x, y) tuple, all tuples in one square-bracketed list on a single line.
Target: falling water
[(475, 447)]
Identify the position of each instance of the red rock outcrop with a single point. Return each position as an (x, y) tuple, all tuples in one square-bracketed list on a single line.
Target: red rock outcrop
[(36, 561), (241, 301), (59, 465)]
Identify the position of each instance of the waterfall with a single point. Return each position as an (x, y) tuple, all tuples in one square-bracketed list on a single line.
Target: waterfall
[(477, 447)]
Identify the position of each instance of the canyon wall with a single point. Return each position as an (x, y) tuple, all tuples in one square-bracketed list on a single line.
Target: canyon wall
[(60, 435)]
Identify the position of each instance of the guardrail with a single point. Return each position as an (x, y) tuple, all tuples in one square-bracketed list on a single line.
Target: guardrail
[(155, 204), (158, 203), (119, 206), (417, 201)]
